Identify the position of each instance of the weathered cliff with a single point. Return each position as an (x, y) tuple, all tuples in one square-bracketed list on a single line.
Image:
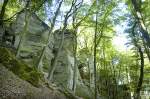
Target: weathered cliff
[(20, 81), (34, 39)]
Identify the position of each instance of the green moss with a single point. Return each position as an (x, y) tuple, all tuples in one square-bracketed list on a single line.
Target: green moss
[(19, 67)]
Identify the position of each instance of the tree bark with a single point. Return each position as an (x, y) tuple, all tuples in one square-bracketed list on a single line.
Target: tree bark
[(139, 86), (139, 17), (54, 64), (68, 14), (95, 44), (22, 37), (26, 21), (50, 32), (3, 11), (75, 27)]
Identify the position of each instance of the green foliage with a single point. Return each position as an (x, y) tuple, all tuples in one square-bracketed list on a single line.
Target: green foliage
[(18, 67), (112, 65)]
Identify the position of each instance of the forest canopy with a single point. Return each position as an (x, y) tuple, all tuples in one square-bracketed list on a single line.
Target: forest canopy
[(93, 49)]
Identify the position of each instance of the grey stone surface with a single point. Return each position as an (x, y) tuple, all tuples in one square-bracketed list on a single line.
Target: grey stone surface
[(12, 87), (35, 38), (63, 74)]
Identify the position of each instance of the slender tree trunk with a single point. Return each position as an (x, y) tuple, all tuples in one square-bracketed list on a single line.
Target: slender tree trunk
[(75, 67), (68, 14), (139, 86), (95, 74), (22, 37), (75, 53), (49, 35), (3, 11), (147, 51), (41, 57), (53, 66), (89, 71), (139, 17), (75, 27)]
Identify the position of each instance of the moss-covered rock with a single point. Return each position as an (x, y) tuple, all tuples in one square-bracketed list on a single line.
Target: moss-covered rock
[(84, 91), (18, 67), (13, 87), (15, 76)]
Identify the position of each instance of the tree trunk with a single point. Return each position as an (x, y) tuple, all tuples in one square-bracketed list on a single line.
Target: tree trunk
[(51, 70), (50, 32), (139, 86), (2, 29), (75, 67), (22, 37), (139, 17), (68, 14), (95, 75), (3, 11)]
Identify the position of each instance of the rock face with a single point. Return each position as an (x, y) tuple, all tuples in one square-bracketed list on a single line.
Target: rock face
[(18, 80), (35, 37), (63, 74), (34, 41), (12, 87), (65, 64)]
